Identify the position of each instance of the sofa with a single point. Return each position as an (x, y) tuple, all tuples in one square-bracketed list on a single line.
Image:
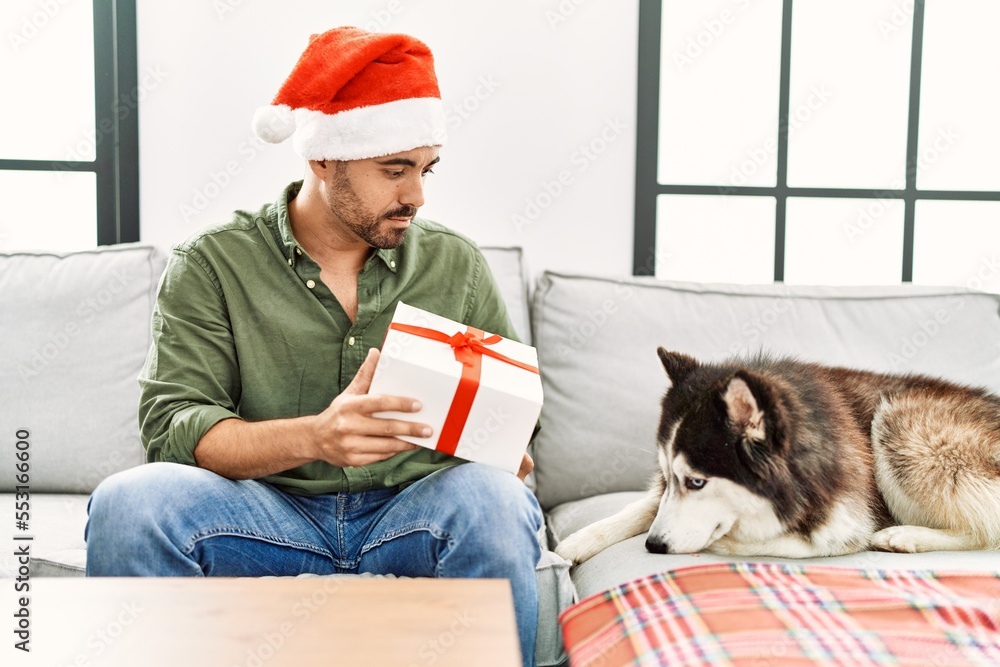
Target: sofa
[(75, 331)]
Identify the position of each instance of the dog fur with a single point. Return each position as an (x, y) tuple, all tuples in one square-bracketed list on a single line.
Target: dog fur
[(778, 457)]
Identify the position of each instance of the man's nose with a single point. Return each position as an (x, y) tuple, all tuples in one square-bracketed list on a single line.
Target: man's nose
[(413, 193)]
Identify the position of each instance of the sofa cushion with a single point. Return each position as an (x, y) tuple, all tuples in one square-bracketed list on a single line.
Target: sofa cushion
[(75, 332), (597, 341), (565, 519), (629, 560), (508, 270), (66, 563), (56, 526)]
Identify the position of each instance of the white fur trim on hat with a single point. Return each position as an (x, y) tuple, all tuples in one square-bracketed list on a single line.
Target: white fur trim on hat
[(274, 124), (366, 132)]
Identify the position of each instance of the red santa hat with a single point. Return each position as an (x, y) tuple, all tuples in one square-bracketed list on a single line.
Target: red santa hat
[(354, 94)]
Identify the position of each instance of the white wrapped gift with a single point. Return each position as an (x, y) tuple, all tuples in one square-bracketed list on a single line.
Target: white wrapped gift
[(481, 393)]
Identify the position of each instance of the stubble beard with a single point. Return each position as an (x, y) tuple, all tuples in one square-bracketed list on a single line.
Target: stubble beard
[(373, 229)]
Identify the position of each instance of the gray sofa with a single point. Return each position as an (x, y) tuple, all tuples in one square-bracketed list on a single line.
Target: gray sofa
[(75, 330)]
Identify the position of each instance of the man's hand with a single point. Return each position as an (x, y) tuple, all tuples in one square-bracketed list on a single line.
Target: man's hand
[(527, 465), (346, 433)]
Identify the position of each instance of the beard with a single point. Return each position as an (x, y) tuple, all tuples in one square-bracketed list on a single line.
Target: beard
[(375, 229)]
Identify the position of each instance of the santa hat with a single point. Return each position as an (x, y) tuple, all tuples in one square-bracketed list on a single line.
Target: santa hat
[(354, 94)]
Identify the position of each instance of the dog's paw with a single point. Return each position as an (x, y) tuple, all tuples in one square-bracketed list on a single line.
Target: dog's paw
[(914, 539), (579, 547), (724, 546), (901, 539)]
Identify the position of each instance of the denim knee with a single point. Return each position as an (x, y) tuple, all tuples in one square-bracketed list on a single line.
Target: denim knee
[(140, 491), (129, 504), (500, 510), (133, 519)]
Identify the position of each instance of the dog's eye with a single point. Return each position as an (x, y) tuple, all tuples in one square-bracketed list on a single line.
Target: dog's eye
[(694, 483)]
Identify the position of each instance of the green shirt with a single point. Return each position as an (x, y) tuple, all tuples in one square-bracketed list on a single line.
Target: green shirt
[(244, 327)]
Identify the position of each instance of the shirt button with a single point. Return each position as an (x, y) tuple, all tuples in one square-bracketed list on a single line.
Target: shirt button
[(298, 251), (289, 261), (350, 341), (392, 264), (310, 284)]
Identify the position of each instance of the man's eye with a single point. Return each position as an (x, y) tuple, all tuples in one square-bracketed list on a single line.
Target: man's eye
[(694, 483), (394, 174), (427, 171)]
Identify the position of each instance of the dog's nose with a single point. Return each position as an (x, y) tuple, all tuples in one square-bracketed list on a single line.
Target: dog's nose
[(655, 547)]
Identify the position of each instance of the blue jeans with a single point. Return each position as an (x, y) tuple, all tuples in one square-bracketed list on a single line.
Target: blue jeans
[(470, 520)]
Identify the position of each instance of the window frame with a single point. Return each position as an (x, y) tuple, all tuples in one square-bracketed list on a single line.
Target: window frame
[(648, 187), (116, 163)]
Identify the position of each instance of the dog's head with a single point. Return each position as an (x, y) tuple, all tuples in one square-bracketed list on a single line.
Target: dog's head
[(722, 442)]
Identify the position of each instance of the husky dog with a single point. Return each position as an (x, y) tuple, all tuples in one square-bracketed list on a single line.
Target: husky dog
[(777, 457)]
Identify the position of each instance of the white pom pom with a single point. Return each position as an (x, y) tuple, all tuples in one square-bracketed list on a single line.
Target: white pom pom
[(274, 124)]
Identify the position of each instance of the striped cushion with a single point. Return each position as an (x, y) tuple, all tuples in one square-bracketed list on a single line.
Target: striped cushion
[(784, 614)]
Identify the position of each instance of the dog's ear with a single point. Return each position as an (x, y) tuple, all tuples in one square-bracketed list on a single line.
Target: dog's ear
[(757, 414), (743, 407), (677, 365)]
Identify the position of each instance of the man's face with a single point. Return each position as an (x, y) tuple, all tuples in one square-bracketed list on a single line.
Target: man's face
[(375, 199)]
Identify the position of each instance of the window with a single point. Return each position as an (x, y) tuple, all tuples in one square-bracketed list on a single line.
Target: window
[(818, 142), (69, 146)]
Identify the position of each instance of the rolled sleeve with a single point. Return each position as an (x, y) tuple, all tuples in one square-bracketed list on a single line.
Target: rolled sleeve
[(187, 426), (190, 380)]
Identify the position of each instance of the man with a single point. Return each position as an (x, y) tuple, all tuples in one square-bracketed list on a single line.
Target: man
[(265, 454)]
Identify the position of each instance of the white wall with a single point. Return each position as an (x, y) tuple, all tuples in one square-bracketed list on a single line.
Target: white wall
[(560, 74)]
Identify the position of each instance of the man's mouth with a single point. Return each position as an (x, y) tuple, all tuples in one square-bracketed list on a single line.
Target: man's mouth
[(402, 213)]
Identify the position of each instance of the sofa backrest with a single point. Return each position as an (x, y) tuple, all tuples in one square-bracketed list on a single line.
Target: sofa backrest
[(603, 382), (74, 331), (508, 270)]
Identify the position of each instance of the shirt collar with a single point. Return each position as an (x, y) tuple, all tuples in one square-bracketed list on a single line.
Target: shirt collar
[(290, 247)]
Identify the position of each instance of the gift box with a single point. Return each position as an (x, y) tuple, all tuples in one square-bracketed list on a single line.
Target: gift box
[(481, 393)]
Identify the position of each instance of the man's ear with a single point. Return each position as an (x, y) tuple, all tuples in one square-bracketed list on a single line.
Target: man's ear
[(321, 169), (677, 365), (743, 408)]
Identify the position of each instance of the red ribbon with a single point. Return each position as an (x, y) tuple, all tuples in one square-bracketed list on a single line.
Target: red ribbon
[(469, 349)]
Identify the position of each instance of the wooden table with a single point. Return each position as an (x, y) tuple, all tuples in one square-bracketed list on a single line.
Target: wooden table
[(271, 622)]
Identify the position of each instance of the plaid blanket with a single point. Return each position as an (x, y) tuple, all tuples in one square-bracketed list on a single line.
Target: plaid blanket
[(766, 614)]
